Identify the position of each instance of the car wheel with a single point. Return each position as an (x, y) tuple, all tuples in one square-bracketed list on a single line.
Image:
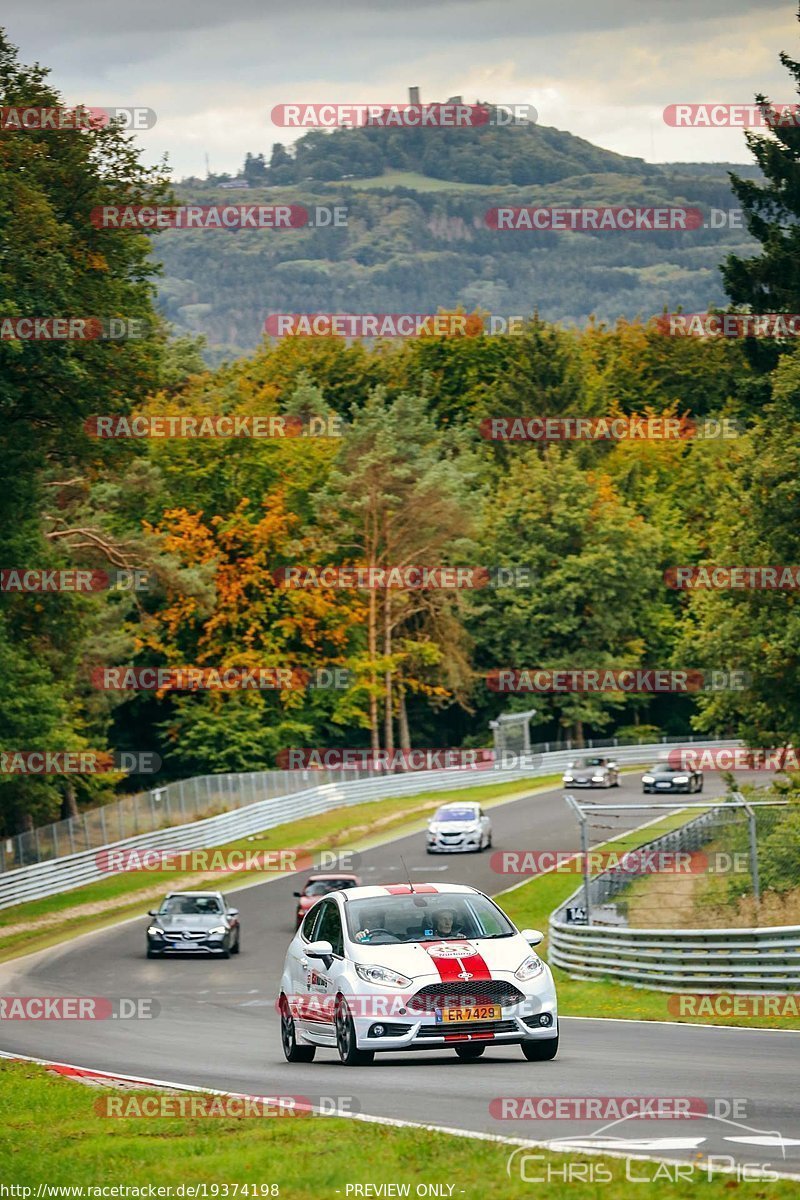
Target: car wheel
[(700, 788), (226, 952), (540, 1051), (291, 1051), (153, 953), (468, 1053), (489, 843), (346, 1043), (235, 949)]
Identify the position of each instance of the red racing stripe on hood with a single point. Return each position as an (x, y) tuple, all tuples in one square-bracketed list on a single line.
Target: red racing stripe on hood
[(452, 966)]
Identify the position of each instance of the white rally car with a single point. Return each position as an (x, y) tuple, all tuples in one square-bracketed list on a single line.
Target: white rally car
[(414, 967)]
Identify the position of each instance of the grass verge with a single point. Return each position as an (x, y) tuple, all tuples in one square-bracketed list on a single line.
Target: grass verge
[(36, 924), (302, 1162), (530, 906)]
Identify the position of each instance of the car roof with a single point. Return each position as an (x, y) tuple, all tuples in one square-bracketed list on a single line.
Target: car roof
[(331, 875), (385, 891), (216, 895), (460, 804)]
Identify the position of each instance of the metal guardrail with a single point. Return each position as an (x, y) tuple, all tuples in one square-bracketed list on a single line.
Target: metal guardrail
[(187, 800), (310, 797), (673, 960)]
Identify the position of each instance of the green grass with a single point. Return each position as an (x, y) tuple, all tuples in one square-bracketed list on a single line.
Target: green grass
[(412, 179), (126, 893), (53, 1134), (530, 906)]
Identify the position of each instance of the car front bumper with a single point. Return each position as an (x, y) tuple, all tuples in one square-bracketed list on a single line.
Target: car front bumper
[(160, 945), (410, 1030), (439, 845)]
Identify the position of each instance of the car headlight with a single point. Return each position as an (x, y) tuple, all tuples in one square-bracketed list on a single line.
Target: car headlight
[(154, 931), (218, 931), (381, 975), (648, 779), (680, 779), (598, 778), (567, 778), (530, 968)]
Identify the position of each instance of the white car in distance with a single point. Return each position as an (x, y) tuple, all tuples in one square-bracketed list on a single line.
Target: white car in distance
[(458, 828)]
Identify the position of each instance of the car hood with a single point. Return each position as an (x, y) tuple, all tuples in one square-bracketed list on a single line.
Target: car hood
[(452, 826), (190, 921), (437, 959)]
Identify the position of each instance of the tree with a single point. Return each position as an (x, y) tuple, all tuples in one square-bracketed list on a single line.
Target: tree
[(770, 282), (754, 631), (399, 499), (594, 595), (55, 263)]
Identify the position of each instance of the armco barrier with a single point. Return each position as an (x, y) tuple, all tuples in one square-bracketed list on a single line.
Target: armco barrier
[(674, 960), (75, 870)]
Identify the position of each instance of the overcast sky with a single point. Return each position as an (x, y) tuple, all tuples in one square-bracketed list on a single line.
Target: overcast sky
[(603, 69)]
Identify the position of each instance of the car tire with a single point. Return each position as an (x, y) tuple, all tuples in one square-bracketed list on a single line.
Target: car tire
[(346, 1043), (540, 1051), (469, 1053), (154, 953), (235, 949), (291, 1051), (700, 788), (226, 952)]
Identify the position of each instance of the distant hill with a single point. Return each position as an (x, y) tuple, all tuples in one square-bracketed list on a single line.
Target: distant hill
[(417, 241), (486, 154)]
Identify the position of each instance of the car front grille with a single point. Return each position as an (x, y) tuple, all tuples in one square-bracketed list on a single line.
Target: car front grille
[(187, 935), (456, 993), (473, 1027)]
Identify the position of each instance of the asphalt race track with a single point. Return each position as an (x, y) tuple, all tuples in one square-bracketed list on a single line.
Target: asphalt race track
[(217, 1025)]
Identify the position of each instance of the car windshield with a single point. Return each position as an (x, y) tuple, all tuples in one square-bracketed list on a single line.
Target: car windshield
[(663, 769), (456, 814), (590, 762), (321, 887), (389, 920), (191, 905)]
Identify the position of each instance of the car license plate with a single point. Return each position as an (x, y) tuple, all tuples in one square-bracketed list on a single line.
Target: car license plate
[(473, 1012), (664, 785)]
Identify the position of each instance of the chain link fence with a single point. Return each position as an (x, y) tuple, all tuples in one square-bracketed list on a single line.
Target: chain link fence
[(736, 865)]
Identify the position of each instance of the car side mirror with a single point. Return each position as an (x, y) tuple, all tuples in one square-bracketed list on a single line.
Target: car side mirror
[(322, 950), (152, 912), (611, 764), (298, 894), (233, 912), (532, 936)]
